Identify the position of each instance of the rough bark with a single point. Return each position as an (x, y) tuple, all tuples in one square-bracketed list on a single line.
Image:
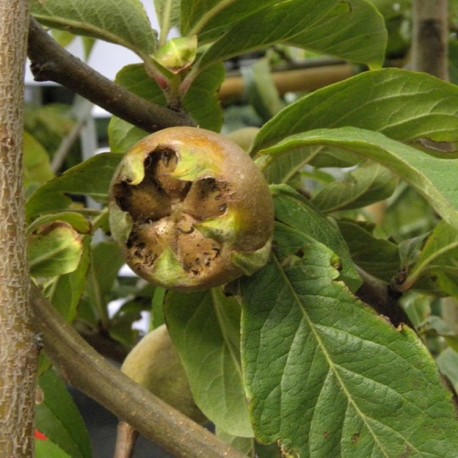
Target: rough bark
[(18, 351), (430, 37)]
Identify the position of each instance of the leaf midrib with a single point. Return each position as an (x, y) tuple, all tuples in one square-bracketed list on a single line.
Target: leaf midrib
[(331, 364)]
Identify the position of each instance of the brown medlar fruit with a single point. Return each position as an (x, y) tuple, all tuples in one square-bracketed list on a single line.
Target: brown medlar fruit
[(191, 210)]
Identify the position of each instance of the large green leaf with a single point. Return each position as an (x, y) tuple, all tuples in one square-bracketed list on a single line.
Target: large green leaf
[(205, 328), (353, 30), (432, 177), (58, 418), (404, 105), (211, 18), (279, 22), (369, 183), (327, 377), (90, 178), (327, 27), (305, 221), (122, 22)]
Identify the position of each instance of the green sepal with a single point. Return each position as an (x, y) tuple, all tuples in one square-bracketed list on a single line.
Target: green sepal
[(197, 163), (251, 262), (224, 229), (168, 270), (120, 224)]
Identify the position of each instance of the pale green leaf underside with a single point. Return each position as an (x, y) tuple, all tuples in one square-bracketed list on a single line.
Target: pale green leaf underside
[(432, 177), (404, 105), (369, 183), (327, 377), (122, 22), (205, 328), (327, 27)]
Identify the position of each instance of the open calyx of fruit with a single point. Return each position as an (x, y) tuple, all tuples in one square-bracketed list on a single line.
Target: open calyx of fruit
[(190, 210)]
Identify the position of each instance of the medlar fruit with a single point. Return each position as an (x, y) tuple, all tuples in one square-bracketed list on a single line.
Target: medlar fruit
[(191, 210), (155, 365)]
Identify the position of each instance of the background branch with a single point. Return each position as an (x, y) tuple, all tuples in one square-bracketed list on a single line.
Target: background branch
[(87, 371), (430, 37), (51, 62)]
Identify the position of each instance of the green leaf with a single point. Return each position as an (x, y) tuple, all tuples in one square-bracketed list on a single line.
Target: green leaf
[(106, 260), (378, 257), (272, 24), (37, 167), (90, 178), (168, 16), (304, 222), (48, 449), (438, 258), (209, 19), (122, 22), (205, 328), (65, 293), (201, 101), (76, 220), (327, 27), (122, 135), (55, 249), (429, 175), (58, 418), (326, 376), (406, 106), (369, 183), (354, 31)]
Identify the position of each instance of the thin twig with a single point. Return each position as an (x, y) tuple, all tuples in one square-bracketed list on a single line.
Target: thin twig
[(87, 371), (51, 62)]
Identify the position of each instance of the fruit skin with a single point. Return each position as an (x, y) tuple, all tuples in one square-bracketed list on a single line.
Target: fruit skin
[(191, 210), (154, 364)]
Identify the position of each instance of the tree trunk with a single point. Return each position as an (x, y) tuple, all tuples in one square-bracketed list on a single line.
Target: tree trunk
[(18, 351), (430, 37)]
